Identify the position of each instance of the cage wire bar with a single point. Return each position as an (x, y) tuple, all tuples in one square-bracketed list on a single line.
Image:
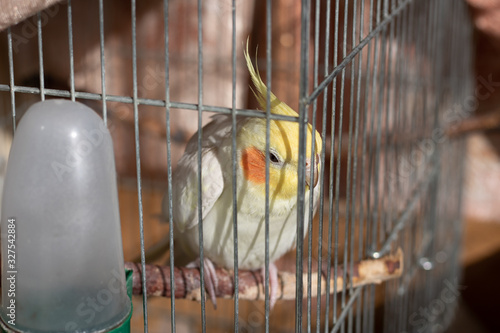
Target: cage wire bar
[(386, 77)]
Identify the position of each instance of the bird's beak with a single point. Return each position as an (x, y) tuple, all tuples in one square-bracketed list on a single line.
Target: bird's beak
[(315, 173)]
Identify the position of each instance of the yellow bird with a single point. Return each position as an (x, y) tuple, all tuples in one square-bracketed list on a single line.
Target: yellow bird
[(216, 183)]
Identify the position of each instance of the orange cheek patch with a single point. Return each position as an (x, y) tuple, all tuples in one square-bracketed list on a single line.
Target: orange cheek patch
[(253, 163)]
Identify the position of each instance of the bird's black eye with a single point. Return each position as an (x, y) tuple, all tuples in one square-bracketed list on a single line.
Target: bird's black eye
[(273, 157)]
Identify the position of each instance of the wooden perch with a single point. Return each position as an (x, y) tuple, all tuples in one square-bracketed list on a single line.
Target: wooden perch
[(480, 122), (251, 286)]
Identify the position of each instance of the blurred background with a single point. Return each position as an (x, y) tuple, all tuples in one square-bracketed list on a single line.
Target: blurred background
[(481, 202)]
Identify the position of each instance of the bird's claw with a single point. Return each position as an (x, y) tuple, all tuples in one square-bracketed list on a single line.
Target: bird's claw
[(209, 277), (212, 282), (273, 283)]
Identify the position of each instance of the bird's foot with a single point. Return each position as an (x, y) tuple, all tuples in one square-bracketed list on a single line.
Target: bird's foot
[(209, 277), (273, 283)]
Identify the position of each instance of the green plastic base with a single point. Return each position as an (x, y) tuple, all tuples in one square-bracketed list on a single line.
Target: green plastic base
[(123, 328)]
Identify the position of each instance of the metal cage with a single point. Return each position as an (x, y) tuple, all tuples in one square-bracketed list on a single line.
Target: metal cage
[(382, 81)]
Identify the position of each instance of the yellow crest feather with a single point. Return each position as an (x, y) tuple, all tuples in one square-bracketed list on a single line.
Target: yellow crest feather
[(277, 106)]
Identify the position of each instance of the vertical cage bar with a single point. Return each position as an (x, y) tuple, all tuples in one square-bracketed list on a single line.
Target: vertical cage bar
[(268, 138), (322, 169), (339, 159), (370, 124), (11, 80), (40, 55), (200, 175), (312, 171), (380, 74), (386, 209), (330, 187), (303, 92), (71, 55), (169, 164), (353, 121), (234, 169), (403, 121), (356, 140), (332, 168), (373, 156), (138, 163), (339, 156), (103, 63), (365, 181)]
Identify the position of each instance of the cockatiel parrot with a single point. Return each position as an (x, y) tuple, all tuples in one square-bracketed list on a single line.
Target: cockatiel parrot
[(216, 183)]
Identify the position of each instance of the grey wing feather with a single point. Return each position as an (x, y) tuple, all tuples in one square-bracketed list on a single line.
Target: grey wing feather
[(185, 176)]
